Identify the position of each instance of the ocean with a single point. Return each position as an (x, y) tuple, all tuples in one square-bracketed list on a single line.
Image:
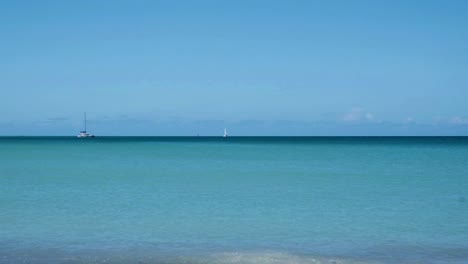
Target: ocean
[(234, 200)]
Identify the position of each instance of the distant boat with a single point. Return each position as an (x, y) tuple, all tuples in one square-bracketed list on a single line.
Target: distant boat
[(83, 133), (225, 133)]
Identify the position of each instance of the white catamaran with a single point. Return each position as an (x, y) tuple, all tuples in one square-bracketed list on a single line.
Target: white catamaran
[(84, 134), (225, 133)]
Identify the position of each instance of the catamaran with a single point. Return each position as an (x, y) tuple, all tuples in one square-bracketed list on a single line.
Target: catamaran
[(225, 133), (83, 133)]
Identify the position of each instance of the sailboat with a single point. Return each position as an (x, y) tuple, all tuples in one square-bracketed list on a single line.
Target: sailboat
[(83, 133), (225, 133)]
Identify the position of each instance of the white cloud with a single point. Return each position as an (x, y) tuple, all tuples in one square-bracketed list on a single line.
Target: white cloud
[(369, 116), (459, 120), (357, 114)]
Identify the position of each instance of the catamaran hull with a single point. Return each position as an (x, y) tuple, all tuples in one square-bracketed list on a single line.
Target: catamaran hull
[(85, 136)]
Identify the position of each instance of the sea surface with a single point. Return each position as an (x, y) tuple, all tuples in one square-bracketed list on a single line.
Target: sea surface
[(234, 200)]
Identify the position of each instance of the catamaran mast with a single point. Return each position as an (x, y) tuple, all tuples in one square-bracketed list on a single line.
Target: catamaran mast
[(85, 121)]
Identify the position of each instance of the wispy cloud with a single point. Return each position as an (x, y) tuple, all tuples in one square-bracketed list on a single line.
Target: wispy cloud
[(409, 120), (357, 114), (53, 121), (457, 120), (58, 119)]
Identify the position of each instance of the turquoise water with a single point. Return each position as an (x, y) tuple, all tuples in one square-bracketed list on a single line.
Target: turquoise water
[(234, 200)]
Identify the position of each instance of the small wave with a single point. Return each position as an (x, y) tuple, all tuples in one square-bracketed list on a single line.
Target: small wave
[(58, 256), (270, 257)]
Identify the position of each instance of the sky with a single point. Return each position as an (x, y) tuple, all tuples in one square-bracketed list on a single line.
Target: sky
[(311, 68)]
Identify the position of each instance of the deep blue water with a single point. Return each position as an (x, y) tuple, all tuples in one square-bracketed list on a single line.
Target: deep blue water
[(234, 200)]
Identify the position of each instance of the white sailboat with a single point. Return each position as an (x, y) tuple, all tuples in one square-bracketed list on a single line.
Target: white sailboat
[(225, 133), (83, 133)]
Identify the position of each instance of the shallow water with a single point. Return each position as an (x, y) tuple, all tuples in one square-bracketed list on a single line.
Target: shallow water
[(234, 200)]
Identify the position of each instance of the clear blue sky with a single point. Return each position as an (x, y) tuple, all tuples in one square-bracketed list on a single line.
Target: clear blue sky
[(256, 67)]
